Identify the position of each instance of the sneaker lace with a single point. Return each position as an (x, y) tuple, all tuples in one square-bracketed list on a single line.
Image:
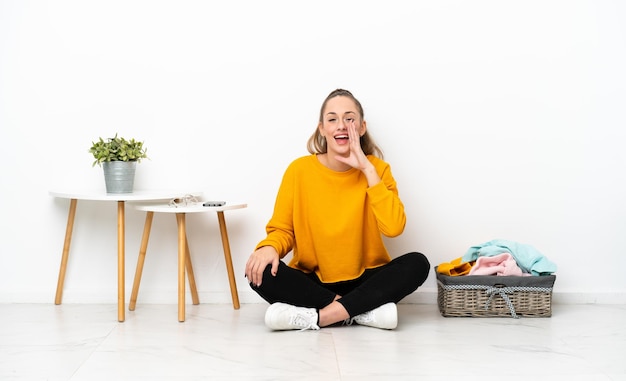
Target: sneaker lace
[(366, 317), (304, 320)]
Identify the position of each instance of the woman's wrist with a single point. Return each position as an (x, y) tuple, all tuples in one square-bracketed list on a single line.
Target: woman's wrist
[(371, 175)]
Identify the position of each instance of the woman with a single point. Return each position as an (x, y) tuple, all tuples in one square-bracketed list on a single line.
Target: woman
[(332, 209)]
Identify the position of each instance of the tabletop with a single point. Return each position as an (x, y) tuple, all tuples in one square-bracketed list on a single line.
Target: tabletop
[(138, 195), (190, 208)]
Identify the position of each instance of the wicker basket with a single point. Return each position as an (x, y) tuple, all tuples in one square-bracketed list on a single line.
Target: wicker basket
[(494, 296)]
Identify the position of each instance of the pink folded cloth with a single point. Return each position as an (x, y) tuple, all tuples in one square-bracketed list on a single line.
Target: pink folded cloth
[(501, 264)]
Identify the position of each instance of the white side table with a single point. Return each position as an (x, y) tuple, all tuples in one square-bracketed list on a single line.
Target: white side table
[(184, 259), (74, 196)]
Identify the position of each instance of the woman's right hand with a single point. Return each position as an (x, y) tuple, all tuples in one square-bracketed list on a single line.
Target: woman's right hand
[(257, 263)]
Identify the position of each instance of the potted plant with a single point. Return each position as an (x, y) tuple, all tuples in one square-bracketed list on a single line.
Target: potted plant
[(118, 158)]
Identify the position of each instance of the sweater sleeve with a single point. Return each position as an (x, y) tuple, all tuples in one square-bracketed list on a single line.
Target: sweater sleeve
[(280, 228), (385, 202)]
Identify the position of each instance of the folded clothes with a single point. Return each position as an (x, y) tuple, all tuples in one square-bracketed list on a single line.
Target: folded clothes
[(501, 264)]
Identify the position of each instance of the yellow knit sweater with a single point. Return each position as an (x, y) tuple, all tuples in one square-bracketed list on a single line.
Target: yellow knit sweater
[(332, 220)]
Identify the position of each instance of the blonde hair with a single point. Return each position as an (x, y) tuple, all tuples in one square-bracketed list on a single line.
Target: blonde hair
[(317, 143)]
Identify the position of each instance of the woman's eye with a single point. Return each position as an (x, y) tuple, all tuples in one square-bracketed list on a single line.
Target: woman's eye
[(332, 120), (349, 120)]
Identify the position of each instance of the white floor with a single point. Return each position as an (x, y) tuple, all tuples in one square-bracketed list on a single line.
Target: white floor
[(85, 342)]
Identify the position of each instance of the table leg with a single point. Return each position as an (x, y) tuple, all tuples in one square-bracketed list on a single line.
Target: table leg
[(120, 261), (66, 251), (182, 250), (228, 259), (192, 279), (140, 261)]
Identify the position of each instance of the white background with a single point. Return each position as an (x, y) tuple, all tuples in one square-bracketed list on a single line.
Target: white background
[(500, 120)]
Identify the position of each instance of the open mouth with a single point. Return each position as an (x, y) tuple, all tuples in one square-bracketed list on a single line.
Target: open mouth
[(341, 138)]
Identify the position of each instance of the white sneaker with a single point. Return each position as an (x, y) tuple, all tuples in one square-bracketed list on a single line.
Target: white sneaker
[(385, 317), (282, 316)]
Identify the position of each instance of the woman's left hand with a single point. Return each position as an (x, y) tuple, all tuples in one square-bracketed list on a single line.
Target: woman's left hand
[(357, 158)]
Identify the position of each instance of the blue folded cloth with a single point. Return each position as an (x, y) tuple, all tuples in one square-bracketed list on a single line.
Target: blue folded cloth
[(529, 259)]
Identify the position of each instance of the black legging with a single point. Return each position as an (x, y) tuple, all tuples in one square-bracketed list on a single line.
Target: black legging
[(388, 283)]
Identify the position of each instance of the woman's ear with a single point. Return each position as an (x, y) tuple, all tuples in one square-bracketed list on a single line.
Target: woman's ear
[(363, 129), (320, 128)]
